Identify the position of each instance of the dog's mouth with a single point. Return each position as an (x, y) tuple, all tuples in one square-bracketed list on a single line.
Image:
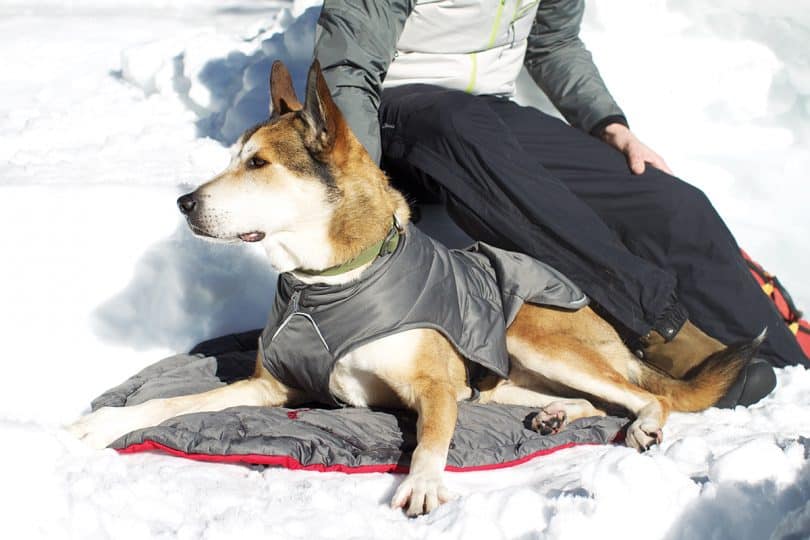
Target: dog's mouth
[(255, 236)]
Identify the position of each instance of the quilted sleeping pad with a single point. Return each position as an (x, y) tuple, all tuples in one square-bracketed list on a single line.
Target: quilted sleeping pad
[(324, 439)]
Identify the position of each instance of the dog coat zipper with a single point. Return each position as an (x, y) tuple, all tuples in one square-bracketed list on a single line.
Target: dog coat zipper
[(292, 311)]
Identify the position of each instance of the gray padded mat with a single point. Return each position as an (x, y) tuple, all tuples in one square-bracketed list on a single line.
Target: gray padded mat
[(349, 440)]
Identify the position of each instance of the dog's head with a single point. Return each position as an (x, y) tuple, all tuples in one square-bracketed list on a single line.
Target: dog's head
[(300, 182)]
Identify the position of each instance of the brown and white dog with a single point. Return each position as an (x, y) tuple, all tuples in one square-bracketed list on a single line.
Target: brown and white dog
[(303, 186)]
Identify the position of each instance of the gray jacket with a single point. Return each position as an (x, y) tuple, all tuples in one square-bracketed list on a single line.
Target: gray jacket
[(470, 296), (357, 41)]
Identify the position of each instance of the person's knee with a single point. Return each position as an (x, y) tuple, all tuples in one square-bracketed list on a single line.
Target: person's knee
[(676, 199), (694, 199)]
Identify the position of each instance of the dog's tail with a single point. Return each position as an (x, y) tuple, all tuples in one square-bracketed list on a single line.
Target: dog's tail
[(706, 383)]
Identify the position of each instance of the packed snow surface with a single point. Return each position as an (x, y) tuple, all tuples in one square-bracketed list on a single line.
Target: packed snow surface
[(110, 110)]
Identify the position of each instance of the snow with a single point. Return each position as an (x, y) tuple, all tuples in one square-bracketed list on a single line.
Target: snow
[(110, 110)]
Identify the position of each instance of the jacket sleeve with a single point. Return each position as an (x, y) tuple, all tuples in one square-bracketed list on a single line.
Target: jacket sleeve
[(355, 42), (563, 68)]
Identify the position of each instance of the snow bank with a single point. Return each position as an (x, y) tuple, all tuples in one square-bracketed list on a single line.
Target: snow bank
[(224, 78), (112, 110)]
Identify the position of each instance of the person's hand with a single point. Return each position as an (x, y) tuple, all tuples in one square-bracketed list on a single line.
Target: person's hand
[(637, 153)]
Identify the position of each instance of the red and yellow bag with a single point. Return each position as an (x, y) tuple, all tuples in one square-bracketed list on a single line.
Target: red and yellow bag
[(784, 303)]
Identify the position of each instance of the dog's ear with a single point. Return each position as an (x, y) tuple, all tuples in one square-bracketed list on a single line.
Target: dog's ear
[(325, 123), (282, 93)]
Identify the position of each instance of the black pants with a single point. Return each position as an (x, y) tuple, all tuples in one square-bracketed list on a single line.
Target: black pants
[(522, 180)]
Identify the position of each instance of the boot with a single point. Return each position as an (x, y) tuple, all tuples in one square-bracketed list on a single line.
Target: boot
[(755, 382), (689, 347)]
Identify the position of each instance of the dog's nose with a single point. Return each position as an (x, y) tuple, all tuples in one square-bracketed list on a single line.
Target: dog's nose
[(186, 203)]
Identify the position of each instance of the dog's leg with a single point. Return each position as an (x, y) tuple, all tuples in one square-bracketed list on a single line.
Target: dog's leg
[(577, 353), (102, 427), (427, 375), (555, 412), (583, 370), (423, 489)]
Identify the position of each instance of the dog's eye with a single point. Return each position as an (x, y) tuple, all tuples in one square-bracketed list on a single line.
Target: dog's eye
[(255, 162)]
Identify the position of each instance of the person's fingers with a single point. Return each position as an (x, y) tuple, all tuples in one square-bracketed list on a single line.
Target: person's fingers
[(635, 160), (637, 153), (656, 161)]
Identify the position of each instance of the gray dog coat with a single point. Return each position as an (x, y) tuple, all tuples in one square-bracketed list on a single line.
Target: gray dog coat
[(471, 296)]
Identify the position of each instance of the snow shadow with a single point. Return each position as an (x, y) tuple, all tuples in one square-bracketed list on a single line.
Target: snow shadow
[(185, 290), (239, 83), (749, 511)]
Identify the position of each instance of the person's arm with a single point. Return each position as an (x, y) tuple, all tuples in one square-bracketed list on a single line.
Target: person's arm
[(563, 68), (355, 43)]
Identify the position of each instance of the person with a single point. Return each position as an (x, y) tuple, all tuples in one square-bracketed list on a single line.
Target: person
[(426, 87)]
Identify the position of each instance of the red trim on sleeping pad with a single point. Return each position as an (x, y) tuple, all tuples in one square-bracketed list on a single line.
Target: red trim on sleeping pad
[(292, 463)]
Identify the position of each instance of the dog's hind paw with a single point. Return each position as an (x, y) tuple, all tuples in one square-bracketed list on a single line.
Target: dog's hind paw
[(549, 421), (643, 435)]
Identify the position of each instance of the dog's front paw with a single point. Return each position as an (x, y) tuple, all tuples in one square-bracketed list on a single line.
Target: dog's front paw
[(421, 493), (100, 428), (642, 434)]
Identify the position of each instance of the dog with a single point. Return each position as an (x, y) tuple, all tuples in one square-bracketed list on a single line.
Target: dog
[(303, 186)]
